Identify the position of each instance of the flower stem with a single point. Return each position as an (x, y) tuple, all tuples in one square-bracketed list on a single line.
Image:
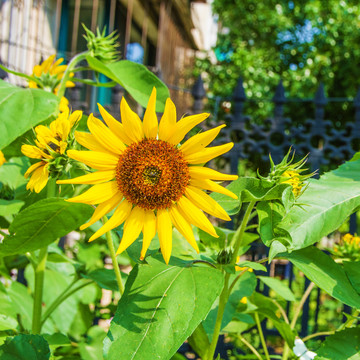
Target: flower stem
[(38, 290), (65, 294), (75, 60), (245, 342), (39, 269), (114, 260), (262, 339), (224, 296), (296, 315)]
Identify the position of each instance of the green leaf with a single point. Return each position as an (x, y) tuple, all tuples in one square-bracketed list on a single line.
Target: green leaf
[(252, 189), (352, 270), (42, 223), (199, 341), (105, 278), (92, 348), (325, 273), (10, 207), (7, 323), (279, 287), (21, 109), (25, 347), (161, 307), (252, 265), (325, 205), (341, 345), (137, 80), (12, 172), (244, 287)]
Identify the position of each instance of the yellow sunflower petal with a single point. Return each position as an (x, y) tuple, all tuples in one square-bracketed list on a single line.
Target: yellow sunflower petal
[(183, 226), (132, 228), (150, 121), (183, 126), (197, 142), (115, 126), (195, 216), (88, 140), (34, 152), (44, 131), (201, 172), (97, 194), (75, 117), (39, 179), (97, 160), (213, 186), (206, 203), (207, 154), (33, 167), (96, 177), (120, 215), (132, 124), (104, 136), (103, 209), (149, 231), (168, 120), (164, 228)]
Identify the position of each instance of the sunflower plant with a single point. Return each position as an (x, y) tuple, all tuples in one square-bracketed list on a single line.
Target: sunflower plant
[(137, 192)]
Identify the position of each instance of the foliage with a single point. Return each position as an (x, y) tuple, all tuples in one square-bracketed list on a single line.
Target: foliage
[(301, 42), (204, 289)]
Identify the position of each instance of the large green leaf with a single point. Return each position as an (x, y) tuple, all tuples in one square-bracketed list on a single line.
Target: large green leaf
[(279, 287), (325, 205), (25, 347), (325, 273), (21, 109), (352, 269), (161, 307), (137, 80), (252, 189), (42, 223), (342, 345), (12, 172)]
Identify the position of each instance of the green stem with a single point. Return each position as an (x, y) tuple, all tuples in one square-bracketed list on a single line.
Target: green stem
[(114, 260), (70, 68), (38, 290), (63, 296), (222, 303), (255, 352), (94, 83), (224, 296), (39, 269), (262, 339), (29, 78), (240, 231), (296, 315), (323, 333)]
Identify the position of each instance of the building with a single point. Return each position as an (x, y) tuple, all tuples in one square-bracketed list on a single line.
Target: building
[(158, 33)]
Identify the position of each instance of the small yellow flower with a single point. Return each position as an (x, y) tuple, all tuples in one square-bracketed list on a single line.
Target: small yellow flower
[(244, 300), (150, 181), (49, 73), (50, 143), (2, 158), (294, 180)]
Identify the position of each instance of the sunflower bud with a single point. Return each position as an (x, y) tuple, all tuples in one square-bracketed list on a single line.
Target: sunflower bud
[(224, 257), (102, 47)]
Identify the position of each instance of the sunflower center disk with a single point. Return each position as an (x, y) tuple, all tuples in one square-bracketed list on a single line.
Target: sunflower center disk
[(152, 174)]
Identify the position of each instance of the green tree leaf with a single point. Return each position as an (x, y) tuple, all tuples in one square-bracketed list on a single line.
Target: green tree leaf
[(352, 269), (325, 273), (137, 80), (279, 287), (7, 323), (21, 109), (161, 307), (319, 213), (105, 278), (12, 172), (42, 223), (341, 345), (25, 347)]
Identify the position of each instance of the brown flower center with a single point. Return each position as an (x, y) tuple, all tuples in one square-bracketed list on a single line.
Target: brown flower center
[(152, 174)]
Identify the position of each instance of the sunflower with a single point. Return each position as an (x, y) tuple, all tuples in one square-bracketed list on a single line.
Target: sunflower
[(2, 158), (49, 74), (51, 142), (151, 181)]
